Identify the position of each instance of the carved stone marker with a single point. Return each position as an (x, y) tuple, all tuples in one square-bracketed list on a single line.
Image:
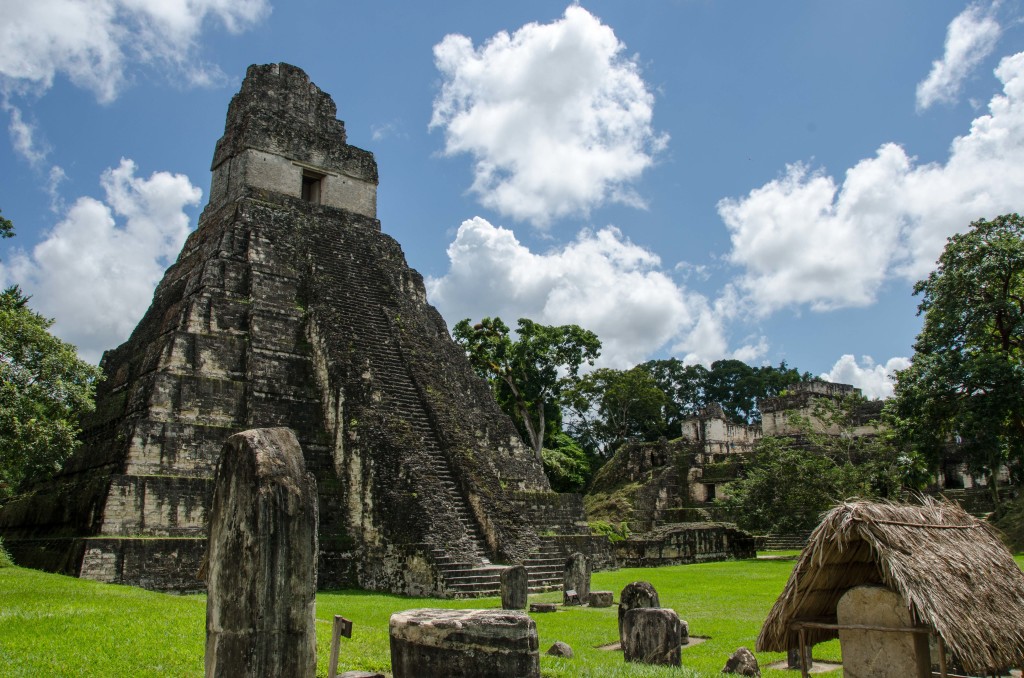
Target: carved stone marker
[(651, 635), (744, 663), (432, 643), (601, 598), (880, 654), (261, 559), (515, 587), (576, 577), (637, 594)]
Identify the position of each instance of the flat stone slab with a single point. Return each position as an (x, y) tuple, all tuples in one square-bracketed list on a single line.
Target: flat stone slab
[(543, 607), (818, 667), (434, 643), (601, 598)]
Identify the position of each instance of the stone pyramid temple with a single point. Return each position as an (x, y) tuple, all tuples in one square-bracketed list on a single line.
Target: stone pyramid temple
[(289, 307)]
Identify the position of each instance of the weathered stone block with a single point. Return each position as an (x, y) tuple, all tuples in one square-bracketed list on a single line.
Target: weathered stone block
[(601, 598), (432, 643), (651, 635), (560, 649), (634, 595), (261, 560), (543, 607), (576, 577), (515, 588), (880, 654)]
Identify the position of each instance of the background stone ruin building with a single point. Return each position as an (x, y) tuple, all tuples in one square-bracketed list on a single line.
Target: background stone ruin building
[(649, 485), (289, 307)]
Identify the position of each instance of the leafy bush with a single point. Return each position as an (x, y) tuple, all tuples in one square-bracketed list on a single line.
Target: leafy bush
[(5, 557), (613, 532)]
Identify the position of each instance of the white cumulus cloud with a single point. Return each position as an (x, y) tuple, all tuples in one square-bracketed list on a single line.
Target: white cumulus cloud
[(96, 270), (92, 42), (600, 281), (970, 37), (806, 239), (875, 381), (556, 118)]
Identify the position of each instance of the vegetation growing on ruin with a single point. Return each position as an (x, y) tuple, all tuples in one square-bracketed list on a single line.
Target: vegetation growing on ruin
[(788, 482)]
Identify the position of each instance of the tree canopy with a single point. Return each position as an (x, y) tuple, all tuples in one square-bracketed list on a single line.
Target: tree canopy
[(733, 384), (44, 388), (611, 406), (6, 227), (530, 372), (963, 393)]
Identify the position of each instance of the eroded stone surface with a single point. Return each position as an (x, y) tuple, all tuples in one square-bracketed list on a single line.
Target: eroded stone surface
[(651, 636), (560, 649), (601, 598), (634, 595), (880, 654), (261, 560), (742, 662), (429, 643), (515, 588)]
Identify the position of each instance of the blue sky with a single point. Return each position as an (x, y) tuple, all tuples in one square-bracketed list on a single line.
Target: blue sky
[(685, 177)]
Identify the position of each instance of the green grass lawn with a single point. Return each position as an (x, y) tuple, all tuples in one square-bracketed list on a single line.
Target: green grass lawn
[(52, 625)]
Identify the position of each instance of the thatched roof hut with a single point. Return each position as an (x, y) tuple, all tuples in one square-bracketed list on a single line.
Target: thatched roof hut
[(955, 574)]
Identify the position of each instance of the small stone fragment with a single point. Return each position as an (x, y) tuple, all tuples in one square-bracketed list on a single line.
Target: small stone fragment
[(560, 649), (601, 598), (684, 632), (515, 587), (743, 663), (651, 635)]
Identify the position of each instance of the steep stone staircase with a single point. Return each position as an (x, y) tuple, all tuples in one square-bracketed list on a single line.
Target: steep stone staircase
[(462, 561)]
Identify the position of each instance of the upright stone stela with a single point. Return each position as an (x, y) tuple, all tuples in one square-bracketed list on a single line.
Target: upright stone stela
[(288, 307)]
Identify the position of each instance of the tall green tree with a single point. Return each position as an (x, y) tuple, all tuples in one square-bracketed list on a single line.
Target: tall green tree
[(612, 406), (530, 372), (44, 388), (965, 385)]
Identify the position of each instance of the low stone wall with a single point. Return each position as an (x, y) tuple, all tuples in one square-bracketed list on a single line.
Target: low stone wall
[(685, 543), (596, 547), (170, 564), (552, 512)]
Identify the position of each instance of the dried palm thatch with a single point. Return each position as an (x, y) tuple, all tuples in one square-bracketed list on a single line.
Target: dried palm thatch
[(951, 568)]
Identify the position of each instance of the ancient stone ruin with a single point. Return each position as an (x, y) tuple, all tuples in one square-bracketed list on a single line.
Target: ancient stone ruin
[(261, 560), (431, 643), (288, 307)]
